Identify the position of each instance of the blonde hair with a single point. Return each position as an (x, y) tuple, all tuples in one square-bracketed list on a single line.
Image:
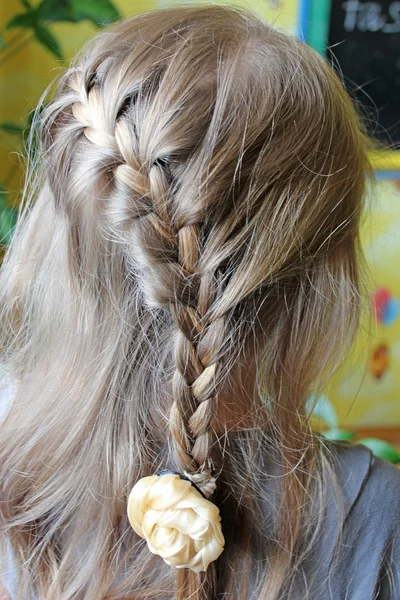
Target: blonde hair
[(190, 241)]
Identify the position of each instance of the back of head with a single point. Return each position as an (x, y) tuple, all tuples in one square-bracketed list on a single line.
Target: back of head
[(186, 275)]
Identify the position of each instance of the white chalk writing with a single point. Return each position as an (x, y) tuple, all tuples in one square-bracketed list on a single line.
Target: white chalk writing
[(370, 16)]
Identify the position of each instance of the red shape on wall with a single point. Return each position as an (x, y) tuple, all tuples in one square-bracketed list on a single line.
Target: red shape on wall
[(380, 300)]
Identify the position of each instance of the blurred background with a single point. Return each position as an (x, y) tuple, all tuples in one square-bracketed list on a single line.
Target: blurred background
[(362, 40)]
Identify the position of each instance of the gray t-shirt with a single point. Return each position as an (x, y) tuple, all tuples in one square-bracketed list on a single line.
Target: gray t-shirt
[(357, 553), (363, 563)]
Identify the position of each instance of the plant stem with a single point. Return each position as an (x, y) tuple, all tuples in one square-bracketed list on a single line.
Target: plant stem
[(15, 50)]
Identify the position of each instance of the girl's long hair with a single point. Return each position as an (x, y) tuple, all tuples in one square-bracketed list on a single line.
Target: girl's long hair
[(184, 273)]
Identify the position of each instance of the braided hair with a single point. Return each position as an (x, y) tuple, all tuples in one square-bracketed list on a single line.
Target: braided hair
[(163, 240), (199, 239)]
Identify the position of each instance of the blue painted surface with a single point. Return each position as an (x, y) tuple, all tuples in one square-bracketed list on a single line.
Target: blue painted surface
[(382, 175), (391, 312), (304, 19)]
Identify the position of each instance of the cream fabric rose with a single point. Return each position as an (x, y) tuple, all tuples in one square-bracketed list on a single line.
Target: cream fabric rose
[(176, 521)]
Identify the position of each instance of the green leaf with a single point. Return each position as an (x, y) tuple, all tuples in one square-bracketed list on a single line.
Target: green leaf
[(99, 12), (54, 10), (8, 219), (47, 39), (26, 20), (2, 42), (382, 449), (338, 434), (25, 3), (3, 201), (11, 128)]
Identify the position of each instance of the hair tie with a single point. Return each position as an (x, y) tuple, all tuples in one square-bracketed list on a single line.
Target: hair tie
[(177, 521)]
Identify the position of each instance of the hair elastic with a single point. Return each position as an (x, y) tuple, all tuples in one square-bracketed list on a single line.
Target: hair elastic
[(181, 476)]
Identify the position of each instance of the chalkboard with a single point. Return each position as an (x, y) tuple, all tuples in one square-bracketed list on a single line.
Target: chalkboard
[(364, 44)]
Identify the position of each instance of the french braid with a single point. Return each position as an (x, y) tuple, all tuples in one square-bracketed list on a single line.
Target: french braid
[(165, 254), (187, 265)]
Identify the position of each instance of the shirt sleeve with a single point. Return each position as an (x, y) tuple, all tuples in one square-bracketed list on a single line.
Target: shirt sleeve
[(373, 534), (388, 586)]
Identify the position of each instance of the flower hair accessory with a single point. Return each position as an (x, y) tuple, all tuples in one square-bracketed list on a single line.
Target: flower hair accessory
[(177, 521)]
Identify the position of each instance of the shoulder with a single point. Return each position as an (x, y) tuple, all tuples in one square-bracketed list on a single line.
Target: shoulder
[(368, 487), (384, 480), (376, 511), (369, 543), (370, 484)]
